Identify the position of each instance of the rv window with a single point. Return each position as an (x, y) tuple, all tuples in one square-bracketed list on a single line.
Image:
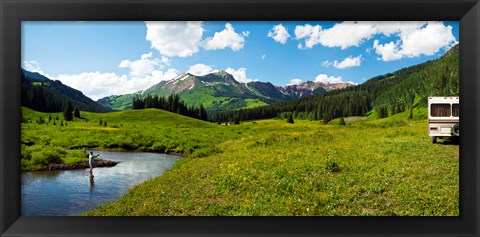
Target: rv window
[(456, 110), (440, 110)]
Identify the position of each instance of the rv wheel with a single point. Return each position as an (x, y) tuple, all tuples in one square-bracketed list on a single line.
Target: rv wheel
[(456, 129), (434, 140)]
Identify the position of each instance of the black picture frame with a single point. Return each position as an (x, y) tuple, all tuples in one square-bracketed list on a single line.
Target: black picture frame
[(12, 12)]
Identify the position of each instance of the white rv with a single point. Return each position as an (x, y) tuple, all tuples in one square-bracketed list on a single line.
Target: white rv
[(443, 117)]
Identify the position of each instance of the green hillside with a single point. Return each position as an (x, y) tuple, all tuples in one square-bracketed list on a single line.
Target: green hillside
[(118, 102), (216, 92), (435, 78)]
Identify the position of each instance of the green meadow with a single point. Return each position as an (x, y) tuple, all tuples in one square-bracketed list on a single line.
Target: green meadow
[(371, 167)]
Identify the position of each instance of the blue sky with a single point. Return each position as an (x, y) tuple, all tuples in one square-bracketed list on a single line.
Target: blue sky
[(106, 58)]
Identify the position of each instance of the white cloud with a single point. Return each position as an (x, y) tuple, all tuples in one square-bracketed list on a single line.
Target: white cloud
[(344, 35), (143, 74), (156, 77), (264, 56), (226, 38), (427, 40), (324, 78), (97, 85), (145, 65), (240, 74), (416, 38), (389, 28), (326, 63), (348, 62), (32, 66), (201, 69), (175, 39), (311, 33), (295, 81), (389, 51), (350, 33), (279, 33)]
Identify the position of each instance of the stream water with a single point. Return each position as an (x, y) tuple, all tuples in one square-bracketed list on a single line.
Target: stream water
[(72, 192)]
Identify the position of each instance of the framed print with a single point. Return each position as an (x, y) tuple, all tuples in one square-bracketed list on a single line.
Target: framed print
[(239, 118)]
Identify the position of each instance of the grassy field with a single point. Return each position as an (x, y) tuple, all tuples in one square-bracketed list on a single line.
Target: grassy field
[(269, 167)]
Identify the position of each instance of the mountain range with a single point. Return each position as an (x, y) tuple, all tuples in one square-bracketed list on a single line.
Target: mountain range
[(219, 91)]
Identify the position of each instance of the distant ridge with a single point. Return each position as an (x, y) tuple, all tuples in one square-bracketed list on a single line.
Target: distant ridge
[(45, 95), (219, 91)]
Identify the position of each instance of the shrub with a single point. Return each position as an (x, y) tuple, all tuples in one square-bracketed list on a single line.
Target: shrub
[(204, 152), (159, 147), (290, 118), (76, 112), (76, 156), (48, 155)]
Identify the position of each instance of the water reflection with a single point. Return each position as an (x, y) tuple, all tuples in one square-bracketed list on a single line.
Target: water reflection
[(92, 183), (53, 193)]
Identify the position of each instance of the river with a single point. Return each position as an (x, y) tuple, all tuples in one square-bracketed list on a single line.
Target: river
[(72, 192)]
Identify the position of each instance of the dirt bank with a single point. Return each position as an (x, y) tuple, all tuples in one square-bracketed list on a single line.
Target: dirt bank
[(84, 165)]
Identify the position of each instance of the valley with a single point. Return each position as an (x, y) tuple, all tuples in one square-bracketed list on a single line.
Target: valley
[(262, 150)]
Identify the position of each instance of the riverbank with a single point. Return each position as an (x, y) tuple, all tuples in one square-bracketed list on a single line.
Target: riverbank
[(180, 153), (84, 165)]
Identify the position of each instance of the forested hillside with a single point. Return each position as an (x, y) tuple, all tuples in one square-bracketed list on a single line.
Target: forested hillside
[(42, 94), (385, 95), (172, 103)]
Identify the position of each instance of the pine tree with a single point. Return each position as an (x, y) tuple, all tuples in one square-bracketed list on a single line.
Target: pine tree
[(68, 112), (104, 123), (342, 121), (236, 120), (327, 117), (101, 122), (76, 112), (290, 118), (410, 115)]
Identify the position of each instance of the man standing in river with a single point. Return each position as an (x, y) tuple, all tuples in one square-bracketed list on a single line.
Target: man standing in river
[(91, 161)]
